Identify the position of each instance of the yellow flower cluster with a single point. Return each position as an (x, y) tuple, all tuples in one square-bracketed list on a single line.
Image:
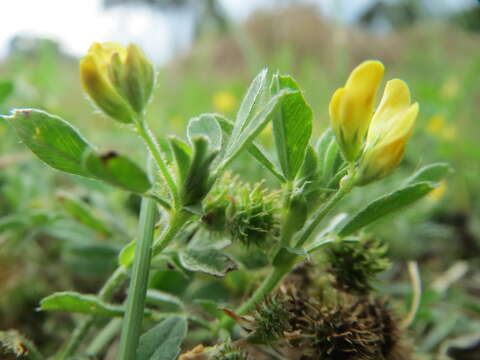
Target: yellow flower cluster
[(377, 138), (119, 80)]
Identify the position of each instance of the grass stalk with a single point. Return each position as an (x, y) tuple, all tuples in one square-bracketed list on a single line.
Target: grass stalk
[(132, 321)]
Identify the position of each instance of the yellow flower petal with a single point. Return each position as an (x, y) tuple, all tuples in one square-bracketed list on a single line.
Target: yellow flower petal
[(395, 100), (351, 107), (118, 79), (389, 132)]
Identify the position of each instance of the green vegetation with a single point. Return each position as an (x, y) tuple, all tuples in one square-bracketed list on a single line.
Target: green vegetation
[(221, 211)]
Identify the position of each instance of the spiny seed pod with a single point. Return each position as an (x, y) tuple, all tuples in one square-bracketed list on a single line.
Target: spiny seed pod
[(271, 319), (342, 327), (245, 212), (253, 216), (354, 265), (217, 202), (226, 351)]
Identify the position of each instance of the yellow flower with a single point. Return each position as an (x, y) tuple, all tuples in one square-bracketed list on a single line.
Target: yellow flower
[(351, 107), (438, 193), (224, 102), (119, 80), (450, 88), (388, 133), (437, 126)]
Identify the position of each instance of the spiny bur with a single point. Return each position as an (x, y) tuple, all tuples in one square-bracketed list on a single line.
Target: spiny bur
[(354, 265)]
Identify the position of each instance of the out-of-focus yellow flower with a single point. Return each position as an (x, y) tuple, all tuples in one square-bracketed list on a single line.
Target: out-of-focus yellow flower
[(390, 128), (450, 88), (438, 127), (224, 102), (436, 124), (438, 193), (119, 80), (351, 107)]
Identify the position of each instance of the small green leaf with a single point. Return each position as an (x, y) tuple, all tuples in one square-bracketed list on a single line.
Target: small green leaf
[(434, 173), (329, 161), (156, 297), (254, 127), (292, 126), (323, 142), (308, 172), (183, 157), (125, 258), (52, 139), (209, 261), (205, 125), (254, 149), (163, 341), (198, 182), (386, 205), (250, 102), (117, 170), (79, 303), (82, 213)]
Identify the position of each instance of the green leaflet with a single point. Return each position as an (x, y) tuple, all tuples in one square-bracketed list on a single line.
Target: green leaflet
[(292, 126), (79, 303), (386, 205), (163, 341)]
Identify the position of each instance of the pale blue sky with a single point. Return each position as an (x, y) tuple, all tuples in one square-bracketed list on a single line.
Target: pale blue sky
[(77, 23)]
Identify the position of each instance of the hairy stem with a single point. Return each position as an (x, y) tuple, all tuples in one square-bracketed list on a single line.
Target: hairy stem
[(152, 144)]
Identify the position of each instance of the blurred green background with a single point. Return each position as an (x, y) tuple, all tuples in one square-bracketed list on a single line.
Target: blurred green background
[(210, 52)]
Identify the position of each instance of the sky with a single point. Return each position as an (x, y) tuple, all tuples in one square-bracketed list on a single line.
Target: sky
[(75, 24)]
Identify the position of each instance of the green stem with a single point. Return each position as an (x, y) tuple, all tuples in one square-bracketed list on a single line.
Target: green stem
[(104, 337), (308, 230), (152, 144), (113, 283), (175, 225), (76, 338), (286, 230), (267, 286), (134, 312)]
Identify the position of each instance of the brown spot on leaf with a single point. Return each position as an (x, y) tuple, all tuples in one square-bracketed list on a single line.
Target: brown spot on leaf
[(108, 156)]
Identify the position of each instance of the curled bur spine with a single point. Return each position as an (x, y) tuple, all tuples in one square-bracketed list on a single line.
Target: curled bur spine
[(338, 327)]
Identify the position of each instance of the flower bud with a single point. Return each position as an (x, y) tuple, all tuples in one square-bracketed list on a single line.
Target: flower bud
[(119, 80), (388, 133), (351, 107)]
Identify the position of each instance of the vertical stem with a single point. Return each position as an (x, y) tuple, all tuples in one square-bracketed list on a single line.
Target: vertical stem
[(132, 321), (152, 144)]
